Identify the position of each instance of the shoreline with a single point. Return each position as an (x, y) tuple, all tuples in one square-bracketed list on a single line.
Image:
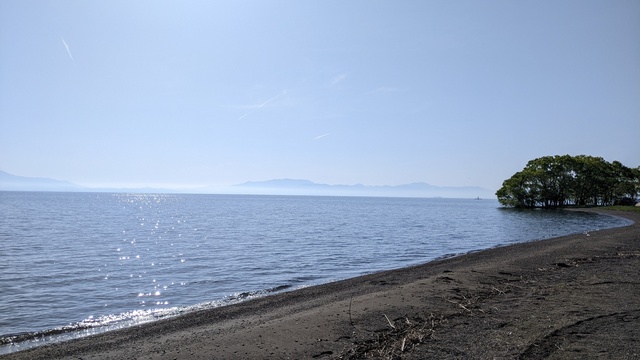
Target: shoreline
[(526, 300)]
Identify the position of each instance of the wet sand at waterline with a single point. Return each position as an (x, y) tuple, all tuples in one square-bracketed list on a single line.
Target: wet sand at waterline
[(571, 297)]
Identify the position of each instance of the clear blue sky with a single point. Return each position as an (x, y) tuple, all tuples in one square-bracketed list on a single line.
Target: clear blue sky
[(147, 93)]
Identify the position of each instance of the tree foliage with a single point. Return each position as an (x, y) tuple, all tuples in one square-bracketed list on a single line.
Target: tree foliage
[(561, 180)]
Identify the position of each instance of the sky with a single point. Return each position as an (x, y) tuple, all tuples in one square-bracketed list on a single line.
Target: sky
[(191, 93)]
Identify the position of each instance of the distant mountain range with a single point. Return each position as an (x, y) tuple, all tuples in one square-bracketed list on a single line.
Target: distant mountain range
[(9, 182), (306, 187)]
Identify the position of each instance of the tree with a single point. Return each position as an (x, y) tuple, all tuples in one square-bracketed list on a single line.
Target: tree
[(557, 181), (517, 191)]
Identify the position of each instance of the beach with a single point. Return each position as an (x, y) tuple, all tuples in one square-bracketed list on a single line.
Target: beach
[(571, 297)]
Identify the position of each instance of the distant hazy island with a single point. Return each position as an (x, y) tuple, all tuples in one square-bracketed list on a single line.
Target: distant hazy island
[(306, 187), (10, 182)]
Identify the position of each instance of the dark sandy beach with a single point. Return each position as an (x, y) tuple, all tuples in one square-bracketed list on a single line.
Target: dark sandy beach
[(572, 297)]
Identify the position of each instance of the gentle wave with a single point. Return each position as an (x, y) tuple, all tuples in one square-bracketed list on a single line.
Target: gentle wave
[(91, 326)]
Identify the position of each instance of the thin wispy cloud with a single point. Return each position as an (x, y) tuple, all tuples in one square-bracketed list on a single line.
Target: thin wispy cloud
[(338, 79), (68, 51), (321, 136), (258, 107)]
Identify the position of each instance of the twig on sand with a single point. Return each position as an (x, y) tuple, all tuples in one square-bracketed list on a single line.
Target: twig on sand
[(500, 292), (403, 336), (389, 321), (462, 306)]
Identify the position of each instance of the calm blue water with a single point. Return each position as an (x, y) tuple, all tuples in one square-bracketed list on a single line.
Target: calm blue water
[(93, 261)]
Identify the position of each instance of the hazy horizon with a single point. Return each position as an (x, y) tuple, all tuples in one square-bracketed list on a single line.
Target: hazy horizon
[(12, 182), (191, 93)]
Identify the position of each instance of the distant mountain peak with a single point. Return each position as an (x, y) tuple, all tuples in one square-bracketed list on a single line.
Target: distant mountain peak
[(279, 183), (416, 189), (10, 182)]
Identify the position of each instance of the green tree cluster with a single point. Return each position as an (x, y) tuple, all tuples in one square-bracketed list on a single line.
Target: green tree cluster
[(562, 180)]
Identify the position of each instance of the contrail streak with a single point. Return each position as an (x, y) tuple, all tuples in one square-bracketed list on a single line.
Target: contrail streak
[(261, 105), (68, 51), (321, 136)]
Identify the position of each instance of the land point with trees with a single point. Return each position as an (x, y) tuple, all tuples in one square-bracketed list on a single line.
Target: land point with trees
[(564, 180)]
